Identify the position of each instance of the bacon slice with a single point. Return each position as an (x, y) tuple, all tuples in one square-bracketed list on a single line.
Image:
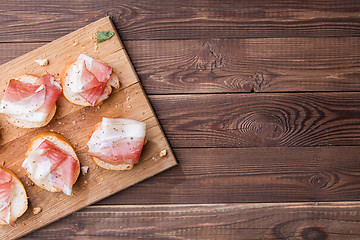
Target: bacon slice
[(22, 98), (104, 95), (50, 163), (31, 102), (100, 70), (91, 88), (118, 141), (6, 189), (92, 77), (53, 91), (62, 177)]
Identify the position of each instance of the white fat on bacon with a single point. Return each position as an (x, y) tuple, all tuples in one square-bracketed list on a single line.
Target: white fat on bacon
[(30, 101), (39, 166), (88, 81), (76, 71), (26, 108), (114, 130)]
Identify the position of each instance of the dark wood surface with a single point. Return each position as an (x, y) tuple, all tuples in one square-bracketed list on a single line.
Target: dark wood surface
[(259, 99)]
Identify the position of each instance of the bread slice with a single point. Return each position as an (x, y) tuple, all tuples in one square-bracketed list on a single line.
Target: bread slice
[(31, 79), (19, 201), (100, 163), (75, 98), (61, 143)]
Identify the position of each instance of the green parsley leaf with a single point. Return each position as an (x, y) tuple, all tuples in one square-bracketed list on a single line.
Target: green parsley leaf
[(104, 35)]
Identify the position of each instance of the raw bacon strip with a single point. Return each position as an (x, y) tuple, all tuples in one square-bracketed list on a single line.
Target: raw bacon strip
[(100, 70), (126, 150), (118, 141), (16, 91), (104, 95), (88, 87), (22, 98), (48, 161), (63, 176), (31, 102), (92, 77), (51, 153), (88, 79), (92, 95), (53, 91), (6, 189)]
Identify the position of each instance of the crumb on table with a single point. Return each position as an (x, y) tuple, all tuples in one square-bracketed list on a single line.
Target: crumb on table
[(163, 153), (36, 210), (84, 170), (42, 62)]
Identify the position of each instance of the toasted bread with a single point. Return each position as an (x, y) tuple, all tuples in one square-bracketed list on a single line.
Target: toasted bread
[(75, 98), (31, 79), (61, 143), (19, 201)]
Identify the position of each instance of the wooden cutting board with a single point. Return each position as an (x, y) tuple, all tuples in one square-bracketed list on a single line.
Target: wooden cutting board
[(75, 122)]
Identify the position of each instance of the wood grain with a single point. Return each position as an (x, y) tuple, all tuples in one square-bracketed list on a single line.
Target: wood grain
[(247, 65), (312, 221), (238, 65), (75, 123), (275, 174), (44, 21), (260, 120)]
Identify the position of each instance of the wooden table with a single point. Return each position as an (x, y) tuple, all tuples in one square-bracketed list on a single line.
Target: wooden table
[(259, 99)]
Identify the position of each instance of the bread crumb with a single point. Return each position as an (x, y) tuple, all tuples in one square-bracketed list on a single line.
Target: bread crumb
[(84, 170), (102, 179), (163, 153), (42, 62), (36, 210), (74, 43), (110, 191), (153, 158), (85, 182), (29, 183), (117, 105)]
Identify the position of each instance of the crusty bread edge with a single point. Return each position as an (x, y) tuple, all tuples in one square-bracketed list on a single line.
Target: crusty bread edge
[(25, 207), (28, 124), (102, 164), (84, 103), (60, 138)]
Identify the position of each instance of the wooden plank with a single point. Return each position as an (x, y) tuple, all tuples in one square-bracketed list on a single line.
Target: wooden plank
[(279, 174), (260, 120), (44, 21), (238, 65), (318, 221), (75, 122), (247, 65)]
